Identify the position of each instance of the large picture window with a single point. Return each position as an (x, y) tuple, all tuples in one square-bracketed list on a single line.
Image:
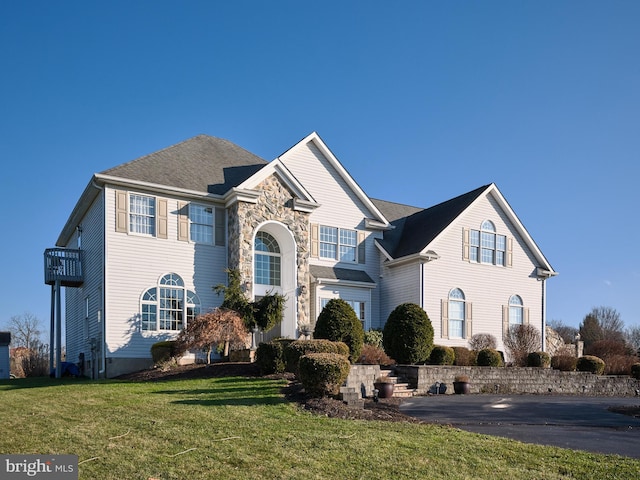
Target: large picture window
[(168, 305)]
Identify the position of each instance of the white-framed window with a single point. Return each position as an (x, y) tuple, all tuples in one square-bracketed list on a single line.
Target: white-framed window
[(168, 306), (516, 310), (267, 260), (201, 223), (457, 313), (486, 246), (142, 214), (338, 243)]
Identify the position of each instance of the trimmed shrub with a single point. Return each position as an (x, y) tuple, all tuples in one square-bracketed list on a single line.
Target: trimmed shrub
[(564, 363), (489, 357), (270, 357), (295, 350), (635, 370), (539, 359), (373, 337), (163, 352), (442, 355), (372, 355), (590, 363), (323, 374), (338, 322), (464, 357), (408, 334)]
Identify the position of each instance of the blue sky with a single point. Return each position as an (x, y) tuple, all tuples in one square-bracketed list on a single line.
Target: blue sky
[(420, 100)]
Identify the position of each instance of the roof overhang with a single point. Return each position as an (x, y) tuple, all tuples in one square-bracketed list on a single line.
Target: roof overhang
[(422, 257), (340, 276)]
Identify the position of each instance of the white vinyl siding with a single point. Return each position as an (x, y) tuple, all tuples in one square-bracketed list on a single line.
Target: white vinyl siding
[(488, 288), (135, 263)]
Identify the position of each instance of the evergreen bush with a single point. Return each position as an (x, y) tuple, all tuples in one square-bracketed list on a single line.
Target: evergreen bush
[(338, 322), (373, 337), (539, 359), (464, 357), (590, 363), (489, 357), (442, 355), (564, 363), (323, 374), (270, 357), (295, 350), (635, 370), (408, 334), (164, 351)]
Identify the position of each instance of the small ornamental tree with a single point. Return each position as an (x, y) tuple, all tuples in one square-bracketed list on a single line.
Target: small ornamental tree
[(521, 340), (480, 341), (338, 322), (408, 334), (218, 327)]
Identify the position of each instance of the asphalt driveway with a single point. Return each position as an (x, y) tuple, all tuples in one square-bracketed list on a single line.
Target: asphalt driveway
[(578, 423)]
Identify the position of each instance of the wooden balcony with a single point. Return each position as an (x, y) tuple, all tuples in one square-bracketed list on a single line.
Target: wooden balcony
[(63, 265)]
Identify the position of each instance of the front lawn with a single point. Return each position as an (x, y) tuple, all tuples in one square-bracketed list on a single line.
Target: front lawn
[(242, 428)]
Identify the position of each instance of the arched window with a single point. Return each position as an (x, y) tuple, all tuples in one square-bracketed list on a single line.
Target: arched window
[(485, 246), (516, 310), (168, 305), (267, 260), (456, 313)]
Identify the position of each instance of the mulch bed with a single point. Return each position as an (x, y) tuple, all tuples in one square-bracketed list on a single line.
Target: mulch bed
[(386, 409)]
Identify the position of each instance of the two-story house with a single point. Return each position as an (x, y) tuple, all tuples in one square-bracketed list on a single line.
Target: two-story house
[(158, 233)]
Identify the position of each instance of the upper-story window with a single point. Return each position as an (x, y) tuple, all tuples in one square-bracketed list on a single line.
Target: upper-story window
[(201, 220), (338, 243), (486, 246), (168, 305), (267, 260), (142, 214)]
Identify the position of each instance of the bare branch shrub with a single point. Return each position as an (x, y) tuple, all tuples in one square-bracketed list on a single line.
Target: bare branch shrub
[(521, 340), (480, 341)]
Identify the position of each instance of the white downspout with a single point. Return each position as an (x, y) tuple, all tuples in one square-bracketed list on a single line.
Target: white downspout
[(544, 314)]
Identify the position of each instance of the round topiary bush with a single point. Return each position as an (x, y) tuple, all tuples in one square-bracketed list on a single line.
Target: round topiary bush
[(442, 355), (164, 351), (323, 373), (464, 357), (489, 357), (338, 322), (635, 370), (590, 363), (295, 350), (539, 359), (564, 363), (270, 358), (408, 334)]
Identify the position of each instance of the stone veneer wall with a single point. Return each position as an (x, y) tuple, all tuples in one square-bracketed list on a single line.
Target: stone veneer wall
[(275, 203), (511, 380)]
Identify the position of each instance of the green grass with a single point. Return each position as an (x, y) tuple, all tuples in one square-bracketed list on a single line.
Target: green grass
[(242, 428)]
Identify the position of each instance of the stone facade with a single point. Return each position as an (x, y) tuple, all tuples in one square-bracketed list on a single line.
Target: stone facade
[(274, 203)]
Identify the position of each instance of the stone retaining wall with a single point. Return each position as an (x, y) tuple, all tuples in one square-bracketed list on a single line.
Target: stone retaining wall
[(427, 379)]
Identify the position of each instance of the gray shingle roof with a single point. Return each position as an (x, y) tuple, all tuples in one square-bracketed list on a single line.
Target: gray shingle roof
[(415, 231), (202, 163), (335, 273)]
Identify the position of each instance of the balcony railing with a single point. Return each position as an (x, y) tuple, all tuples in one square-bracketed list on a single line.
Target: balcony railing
[(63, 265)]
